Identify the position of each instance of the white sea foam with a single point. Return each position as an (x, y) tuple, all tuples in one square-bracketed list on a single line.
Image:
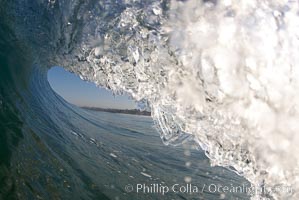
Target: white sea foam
[(243, 58), (226, 73), (113, 155), (145, 174)]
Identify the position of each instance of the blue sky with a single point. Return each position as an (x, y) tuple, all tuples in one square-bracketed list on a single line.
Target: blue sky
[(82, 93)]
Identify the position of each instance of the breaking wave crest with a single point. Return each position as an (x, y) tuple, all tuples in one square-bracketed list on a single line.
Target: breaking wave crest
[(224, 74)]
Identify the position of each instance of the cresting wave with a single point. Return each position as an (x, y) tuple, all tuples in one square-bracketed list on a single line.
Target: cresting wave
[(222, 73)]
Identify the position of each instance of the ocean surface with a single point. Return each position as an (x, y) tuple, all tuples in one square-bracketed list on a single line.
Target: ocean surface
[(51, 149), (220, 78), (80, 154)]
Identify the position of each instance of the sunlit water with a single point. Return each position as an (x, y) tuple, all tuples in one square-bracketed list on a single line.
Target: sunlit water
[(221, 73)]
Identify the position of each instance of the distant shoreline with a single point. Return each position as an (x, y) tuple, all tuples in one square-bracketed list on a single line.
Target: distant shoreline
[(122, 111)]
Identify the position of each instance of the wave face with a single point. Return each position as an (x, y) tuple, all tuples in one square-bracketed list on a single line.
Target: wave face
[(224, 74)]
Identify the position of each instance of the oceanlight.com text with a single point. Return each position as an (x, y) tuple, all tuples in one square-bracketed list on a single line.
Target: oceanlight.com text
[(163, 189)]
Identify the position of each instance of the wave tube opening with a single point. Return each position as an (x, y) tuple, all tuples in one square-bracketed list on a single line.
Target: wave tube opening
[(221, 73)]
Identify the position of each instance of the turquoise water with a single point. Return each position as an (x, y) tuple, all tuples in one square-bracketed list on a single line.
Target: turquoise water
[(59, 151), (53, 150), (50, 149)]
